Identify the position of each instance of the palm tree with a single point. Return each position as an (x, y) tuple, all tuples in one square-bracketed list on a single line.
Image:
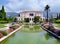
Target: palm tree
[(46, 9)]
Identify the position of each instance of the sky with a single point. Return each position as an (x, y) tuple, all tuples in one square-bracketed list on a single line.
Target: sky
[(21, 5)]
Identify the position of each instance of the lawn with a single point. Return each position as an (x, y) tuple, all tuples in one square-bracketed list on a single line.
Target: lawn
[(58, 25), (2, 25)]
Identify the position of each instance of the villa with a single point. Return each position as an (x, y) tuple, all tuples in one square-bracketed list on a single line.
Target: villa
[(30, 15)]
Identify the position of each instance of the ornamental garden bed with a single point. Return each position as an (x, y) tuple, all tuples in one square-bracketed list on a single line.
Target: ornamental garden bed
[(53, 30), (7, 32)]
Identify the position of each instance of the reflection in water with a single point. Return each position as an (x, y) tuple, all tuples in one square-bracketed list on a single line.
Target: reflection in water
[(22, 37), (58, 41), (31, 28), (26, 26), (48, 36), (12, 35)]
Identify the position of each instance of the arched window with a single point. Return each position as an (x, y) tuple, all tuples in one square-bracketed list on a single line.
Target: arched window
[(19, 15), (31, 14)]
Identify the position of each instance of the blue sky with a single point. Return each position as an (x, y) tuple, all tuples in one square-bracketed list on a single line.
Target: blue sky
[(20, 5)]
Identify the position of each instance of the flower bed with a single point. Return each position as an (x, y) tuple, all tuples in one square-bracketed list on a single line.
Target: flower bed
[(9, 30), (52, 28), (3, 33)]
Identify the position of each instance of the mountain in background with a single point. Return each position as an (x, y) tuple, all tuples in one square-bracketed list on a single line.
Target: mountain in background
[(49, 15), (11, 14)]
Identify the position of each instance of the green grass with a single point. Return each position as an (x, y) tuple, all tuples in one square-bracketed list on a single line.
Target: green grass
[(58, 25), (2, 25)]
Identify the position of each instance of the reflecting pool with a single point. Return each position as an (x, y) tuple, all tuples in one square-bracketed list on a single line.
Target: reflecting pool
[(31, 34)]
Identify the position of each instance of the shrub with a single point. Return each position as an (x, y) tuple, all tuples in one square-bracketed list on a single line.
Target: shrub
[(15, 19), (57, 21), (26, 19), (41, 21), (4, 32), (21, 21), (36, 19)]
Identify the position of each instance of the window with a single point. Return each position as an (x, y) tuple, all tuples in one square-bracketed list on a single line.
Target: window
[(19, 15), (31, 14)]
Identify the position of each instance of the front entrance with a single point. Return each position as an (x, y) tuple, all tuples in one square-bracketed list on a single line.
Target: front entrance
[(31, 20)]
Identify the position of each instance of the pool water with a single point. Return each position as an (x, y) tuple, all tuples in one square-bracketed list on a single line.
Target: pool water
[(31, 34)]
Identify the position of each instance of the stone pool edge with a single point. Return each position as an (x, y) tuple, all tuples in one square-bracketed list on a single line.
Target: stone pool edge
[(3, 38)]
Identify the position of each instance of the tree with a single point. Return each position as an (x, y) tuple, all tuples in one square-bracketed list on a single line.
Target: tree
[(46, 9), (15, 19), (26, 19), (2, 14), (51, 19), (36, 19), (3, 9), (57, 16)]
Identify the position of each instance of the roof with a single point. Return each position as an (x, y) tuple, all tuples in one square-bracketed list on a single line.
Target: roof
[(26, 11)]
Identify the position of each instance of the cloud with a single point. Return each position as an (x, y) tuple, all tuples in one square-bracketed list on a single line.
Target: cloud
[(17, 5), (13, 5), (20, 5)]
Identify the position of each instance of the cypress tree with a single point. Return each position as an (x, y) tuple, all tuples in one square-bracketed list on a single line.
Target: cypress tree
[(57, 15), (3, 13), (3, 9)]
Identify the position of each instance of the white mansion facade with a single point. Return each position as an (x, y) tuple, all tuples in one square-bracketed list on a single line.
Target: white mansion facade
[(30, 15)]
